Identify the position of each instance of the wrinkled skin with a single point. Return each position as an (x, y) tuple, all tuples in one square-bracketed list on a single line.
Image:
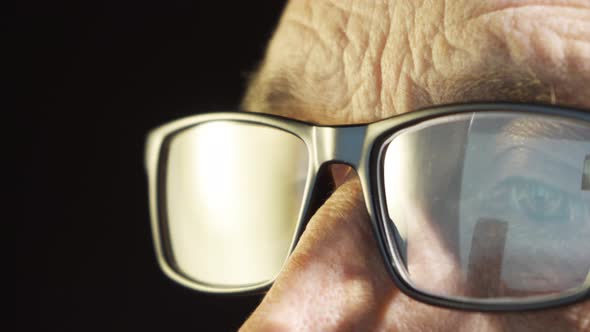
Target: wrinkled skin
[(343, 62)]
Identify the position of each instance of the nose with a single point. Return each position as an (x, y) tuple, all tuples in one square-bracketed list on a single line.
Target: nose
[(335, 278)]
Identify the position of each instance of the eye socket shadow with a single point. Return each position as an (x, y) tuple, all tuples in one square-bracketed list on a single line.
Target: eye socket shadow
[(586, 174)]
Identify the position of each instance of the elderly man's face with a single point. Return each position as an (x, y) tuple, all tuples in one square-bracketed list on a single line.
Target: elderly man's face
[(344, 62)]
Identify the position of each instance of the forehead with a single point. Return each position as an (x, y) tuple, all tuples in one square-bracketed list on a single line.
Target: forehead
[(350, 62)]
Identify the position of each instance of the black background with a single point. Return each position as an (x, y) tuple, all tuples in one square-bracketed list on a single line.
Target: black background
[(97, 77)]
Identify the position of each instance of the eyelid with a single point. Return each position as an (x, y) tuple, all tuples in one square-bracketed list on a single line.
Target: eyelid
[(550, 172), (514, 180)]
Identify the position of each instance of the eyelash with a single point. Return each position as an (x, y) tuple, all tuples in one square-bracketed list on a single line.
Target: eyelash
[(536, 201)]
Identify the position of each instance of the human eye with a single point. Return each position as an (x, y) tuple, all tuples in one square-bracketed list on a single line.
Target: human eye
[(536, 202)]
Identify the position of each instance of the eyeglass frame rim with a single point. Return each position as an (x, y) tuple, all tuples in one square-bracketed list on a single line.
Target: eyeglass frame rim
[(368, 170)]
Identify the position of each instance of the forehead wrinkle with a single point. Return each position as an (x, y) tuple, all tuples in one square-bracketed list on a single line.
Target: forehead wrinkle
[(287, 84), (323, 64)]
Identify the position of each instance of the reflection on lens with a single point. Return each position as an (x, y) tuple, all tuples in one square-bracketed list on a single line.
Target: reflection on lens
[(491, 205), (233, 192)]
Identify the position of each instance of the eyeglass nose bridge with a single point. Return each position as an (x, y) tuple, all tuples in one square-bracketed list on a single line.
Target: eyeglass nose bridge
[(338, 145)]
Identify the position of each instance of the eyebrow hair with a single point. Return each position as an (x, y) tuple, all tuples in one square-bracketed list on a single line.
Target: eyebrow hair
[(494, 86), (279, 92), (535, 127), (274, 94)]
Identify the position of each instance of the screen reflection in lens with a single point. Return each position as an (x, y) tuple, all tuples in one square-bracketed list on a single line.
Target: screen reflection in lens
[(489, 205)]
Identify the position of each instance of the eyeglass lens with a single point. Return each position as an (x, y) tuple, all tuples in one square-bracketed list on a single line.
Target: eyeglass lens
[(233, 194), (490, 205)]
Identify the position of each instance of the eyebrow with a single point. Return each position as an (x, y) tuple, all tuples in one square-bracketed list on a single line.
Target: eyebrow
[(275, 94), (278, 93), (536, 128), (495, 86)]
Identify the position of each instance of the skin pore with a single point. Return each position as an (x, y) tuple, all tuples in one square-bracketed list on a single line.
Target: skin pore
[(345, 62)]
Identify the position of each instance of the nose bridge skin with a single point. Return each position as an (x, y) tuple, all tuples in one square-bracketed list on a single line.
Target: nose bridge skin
[(349, 145), (352, 146)]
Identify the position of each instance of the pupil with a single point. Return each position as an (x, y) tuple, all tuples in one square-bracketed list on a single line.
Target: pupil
[(539, 198), (538, 201)]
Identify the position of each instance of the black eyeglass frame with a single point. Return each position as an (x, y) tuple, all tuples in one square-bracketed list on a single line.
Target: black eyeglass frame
[(361, 147)]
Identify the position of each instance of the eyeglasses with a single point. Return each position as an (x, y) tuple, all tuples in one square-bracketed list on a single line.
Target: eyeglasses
[(475, 206)]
